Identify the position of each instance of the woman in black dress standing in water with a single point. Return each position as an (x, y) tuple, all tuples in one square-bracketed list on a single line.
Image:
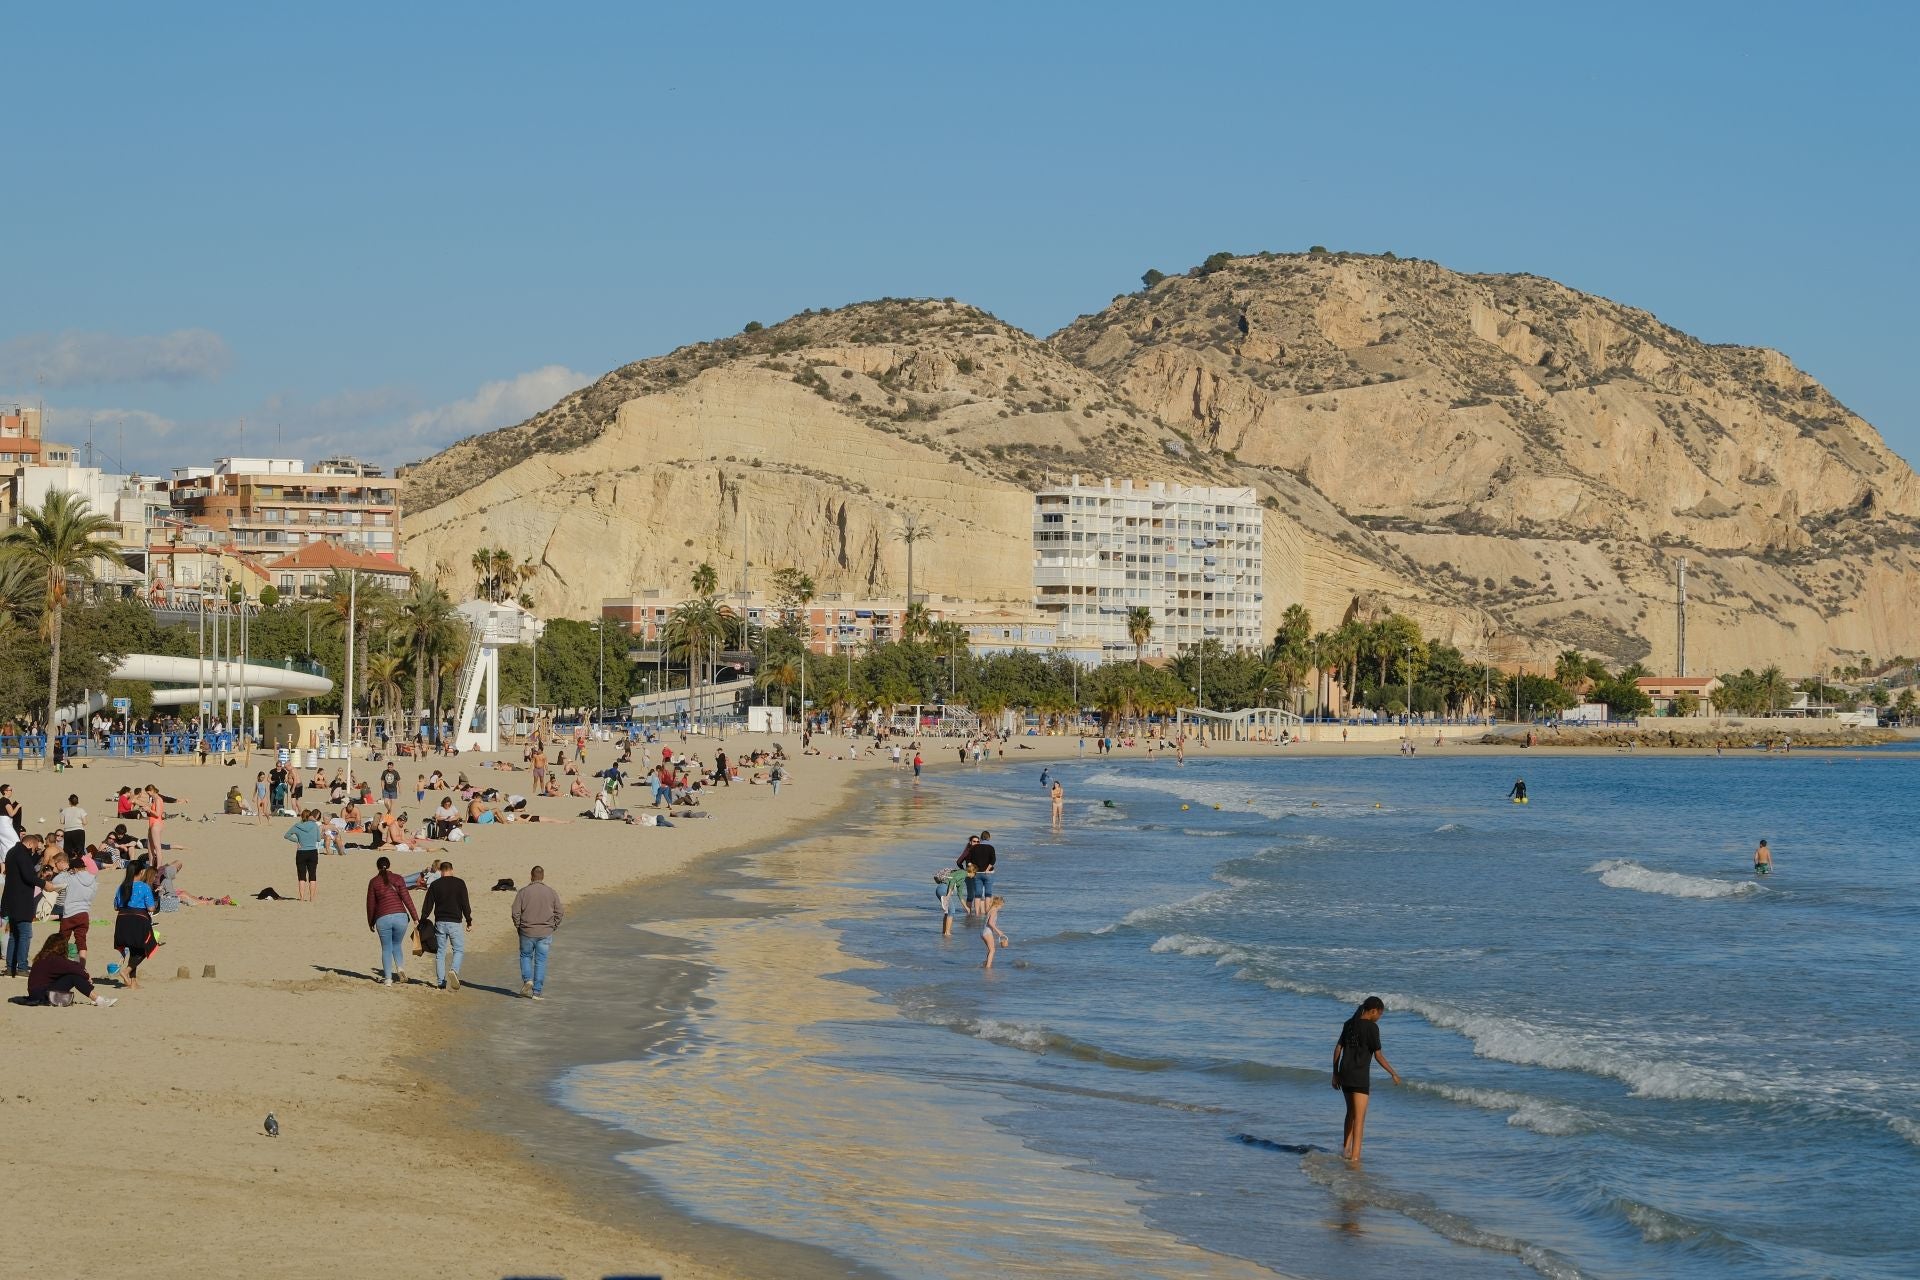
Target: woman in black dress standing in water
[(1359, 1045)]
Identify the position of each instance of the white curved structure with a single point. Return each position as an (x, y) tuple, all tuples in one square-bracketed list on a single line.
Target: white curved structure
[(262, 683)]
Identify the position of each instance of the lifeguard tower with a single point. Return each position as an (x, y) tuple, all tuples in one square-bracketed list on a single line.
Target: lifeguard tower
[(490, 629)]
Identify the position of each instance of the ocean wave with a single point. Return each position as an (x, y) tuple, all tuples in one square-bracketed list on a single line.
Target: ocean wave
[(1451, 828), (1225, 796), (1350, 1183), (1657, 1226), (1504, 1038), (1905, 1127), (1624, 873), (1036, 1039), (1553, 1119)]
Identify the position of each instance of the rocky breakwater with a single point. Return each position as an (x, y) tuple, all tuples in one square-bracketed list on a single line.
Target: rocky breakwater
[(1699, 734)]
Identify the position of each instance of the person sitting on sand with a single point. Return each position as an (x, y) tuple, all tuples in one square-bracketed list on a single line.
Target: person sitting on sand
[(54, 979), (436, 781), (236, 803), (578, 790)]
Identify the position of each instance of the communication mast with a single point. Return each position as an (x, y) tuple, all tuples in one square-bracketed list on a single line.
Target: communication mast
[(1680, 618)]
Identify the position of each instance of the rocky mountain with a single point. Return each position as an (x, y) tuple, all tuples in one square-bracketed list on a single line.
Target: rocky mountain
[(1517, 464)]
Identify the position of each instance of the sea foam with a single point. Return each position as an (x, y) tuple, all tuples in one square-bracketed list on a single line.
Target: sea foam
[(1624, 873)]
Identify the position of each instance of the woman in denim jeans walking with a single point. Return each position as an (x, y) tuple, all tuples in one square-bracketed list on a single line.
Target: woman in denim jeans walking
[(389, 909)]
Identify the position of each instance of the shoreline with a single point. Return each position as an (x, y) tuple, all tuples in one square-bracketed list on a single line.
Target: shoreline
[(378, 1147)]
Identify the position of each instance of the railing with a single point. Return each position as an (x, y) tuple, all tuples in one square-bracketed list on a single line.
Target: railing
[(86, 746)]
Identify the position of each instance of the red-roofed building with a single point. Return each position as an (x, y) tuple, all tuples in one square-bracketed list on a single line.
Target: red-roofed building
[(306, 571), (1664, 689)]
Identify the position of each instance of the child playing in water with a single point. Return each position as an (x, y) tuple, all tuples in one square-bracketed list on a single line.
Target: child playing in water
[(1762, 860), (992, 932)]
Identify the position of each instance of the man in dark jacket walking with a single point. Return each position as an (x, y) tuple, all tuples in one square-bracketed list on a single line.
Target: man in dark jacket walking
[(451, 912)]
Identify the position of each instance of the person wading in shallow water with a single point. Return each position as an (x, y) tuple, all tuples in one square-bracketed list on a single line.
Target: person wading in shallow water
[(1359, 1045)]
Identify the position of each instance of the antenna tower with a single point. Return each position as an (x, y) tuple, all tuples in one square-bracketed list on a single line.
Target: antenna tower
[(1680, 617)]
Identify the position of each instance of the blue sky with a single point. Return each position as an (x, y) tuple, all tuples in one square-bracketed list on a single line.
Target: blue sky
[(379, 228)]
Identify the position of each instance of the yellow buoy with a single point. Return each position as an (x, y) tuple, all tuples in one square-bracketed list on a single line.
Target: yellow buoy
[(1216, 807), (1183, 808), (1376, 804)]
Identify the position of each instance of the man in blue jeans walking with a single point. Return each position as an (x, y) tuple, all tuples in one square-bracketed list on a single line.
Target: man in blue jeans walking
[(536, 917), (451, 912)]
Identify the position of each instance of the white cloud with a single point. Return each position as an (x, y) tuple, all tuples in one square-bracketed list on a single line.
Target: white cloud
[(495, 404), (78, 358), (382, 424)]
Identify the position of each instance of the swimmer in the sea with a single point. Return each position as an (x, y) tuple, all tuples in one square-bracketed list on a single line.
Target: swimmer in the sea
[(1519, 791), (1763, 860)]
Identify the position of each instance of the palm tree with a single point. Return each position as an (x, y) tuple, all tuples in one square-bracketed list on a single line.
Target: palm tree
[(425, 620), (482, 562), (705, 580), (383, 682), (1139, 630), (693, 628), (783, 675), (913, 530), (59, 541), (915, 624)]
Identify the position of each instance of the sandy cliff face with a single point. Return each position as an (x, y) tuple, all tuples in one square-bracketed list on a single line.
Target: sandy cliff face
[(806, 444), (1516, 464), (1544, 454)]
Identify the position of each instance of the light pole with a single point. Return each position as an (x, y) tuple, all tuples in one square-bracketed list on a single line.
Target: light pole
[(1409, 653)]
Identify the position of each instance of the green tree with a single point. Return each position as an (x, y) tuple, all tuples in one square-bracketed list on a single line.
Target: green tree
[(425, 623), (1214, 262), (696, 627), (1152, 277), (705, 581), (753, 326), (60, 541)]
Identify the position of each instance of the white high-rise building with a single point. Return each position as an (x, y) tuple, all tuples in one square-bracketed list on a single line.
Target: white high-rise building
[(1190, 554)]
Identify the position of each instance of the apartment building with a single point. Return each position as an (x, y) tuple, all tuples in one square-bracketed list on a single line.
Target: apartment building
[(1191, 555), (839, 622), (268, 507), (22, 449)]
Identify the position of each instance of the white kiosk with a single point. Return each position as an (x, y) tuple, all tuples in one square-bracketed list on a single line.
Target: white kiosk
[(491, 628)]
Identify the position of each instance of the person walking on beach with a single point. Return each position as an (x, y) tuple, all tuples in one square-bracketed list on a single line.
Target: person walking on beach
[(984, 865), (965, 864), (77, 886), (133, 905), (916, 764), (990, 932), (1358, 1046), (390, 783), (19, 903), (1763, 860), (451, 912), (73, 827), (305, 838), (389, 910), (536, 918), (1059, 794)]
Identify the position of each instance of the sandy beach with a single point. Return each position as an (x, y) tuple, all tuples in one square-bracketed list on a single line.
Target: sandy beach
[(378, 1165)]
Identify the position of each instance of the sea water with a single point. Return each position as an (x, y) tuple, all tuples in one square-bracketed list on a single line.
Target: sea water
[(1624, 1054)]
